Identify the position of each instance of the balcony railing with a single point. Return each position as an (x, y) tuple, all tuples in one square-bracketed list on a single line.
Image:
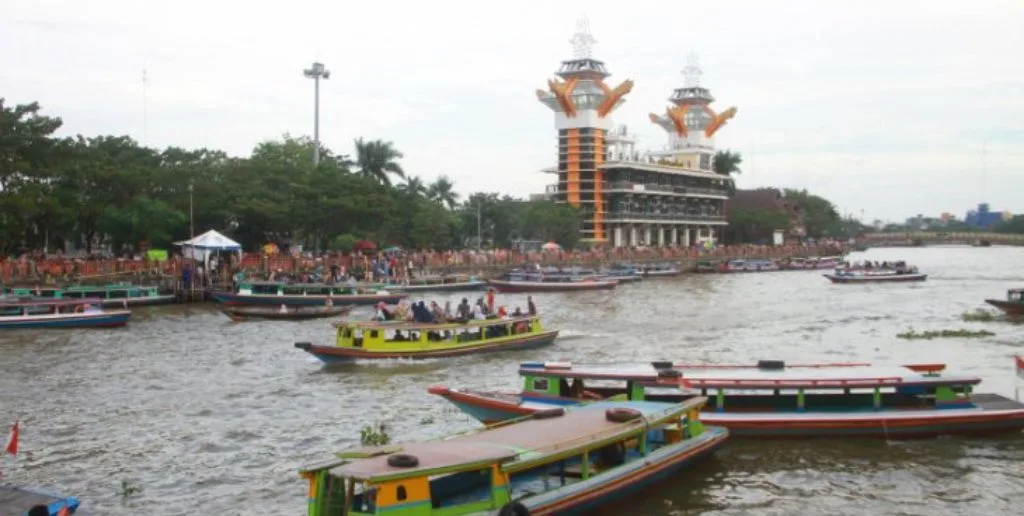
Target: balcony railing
[(628, 186), (639, 215)]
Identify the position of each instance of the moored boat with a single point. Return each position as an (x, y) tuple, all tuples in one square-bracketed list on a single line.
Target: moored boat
[(770, 399), (559, 462), (386, 340), (812, 263), (1012, 305), (655, 270), (562, 285), (876, 275), (748, 266), (294, 313), (442, 283), (59, 313), (117, 294), (303, 294), (622, 273)]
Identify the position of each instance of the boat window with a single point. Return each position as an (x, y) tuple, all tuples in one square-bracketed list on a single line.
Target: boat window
[(400, 494), (374, 334), (117, 294), (540, 384), (462, 489)]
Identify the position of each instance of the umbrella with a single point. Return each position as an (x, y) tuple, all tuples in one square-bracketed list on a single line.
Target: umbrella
[(551, 246), (393, 249), (364, 244)]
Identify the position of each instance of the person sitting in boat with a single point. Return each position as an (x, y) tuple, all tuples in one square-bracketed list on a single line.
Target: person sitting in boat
[(399, 337), (422, 314), (479, 310), (518, 312), (92, 309), (437, 312), (383, 314), (463, 312)]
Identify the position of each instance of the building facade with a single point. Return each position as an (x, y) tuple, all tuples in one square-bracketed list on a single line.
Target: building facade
[(628, 198)]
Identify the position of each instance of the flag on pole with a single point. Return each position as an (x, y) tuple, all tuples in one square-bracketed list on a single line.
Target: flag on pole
[(64, 511), (12, 439), (1020, 367)]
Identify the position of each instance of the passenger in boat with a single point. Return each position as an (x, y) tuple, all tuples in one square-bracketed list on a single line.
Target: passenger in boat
[(437, 312), (423, 314), (490, 301), (93, 309), (530, 307), (447, 310), (283, 309), (463, 312), (398, 336), (518, 312), (479, 310)]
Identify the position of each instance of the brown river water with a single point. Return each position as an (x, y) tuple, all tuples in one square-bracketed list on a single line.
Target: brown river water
[(208, 416)]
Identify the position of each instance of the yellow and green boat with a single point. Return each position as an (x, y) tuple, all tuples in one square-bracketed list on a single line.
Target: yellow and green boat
[(557, 462), (375, 340)]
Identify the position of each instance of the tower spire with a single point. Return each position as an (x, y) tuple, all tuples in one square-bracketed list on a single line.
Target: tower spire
[(692, 71), (582, 41)]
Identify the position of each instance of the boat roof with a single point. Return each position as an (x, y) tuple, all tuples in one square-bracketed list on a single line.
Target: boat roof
[(582, 427), (799, 376), (417, 326), (51, 302)]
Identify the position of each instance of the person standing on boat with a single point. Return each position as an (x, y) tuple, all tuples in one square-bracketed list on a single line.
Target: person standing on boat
[(531, 308), (490, 300), (462, 313)]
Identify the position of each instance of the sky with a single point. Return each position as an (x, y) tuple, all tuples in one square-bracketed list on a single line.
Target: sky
[(888, 109)]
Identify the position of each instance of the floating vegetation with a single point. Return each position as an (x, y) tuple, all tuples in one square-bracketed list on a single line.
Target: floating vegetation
[(910, 334), (979, 315), (372, 435), (128, 489), (427, 420)]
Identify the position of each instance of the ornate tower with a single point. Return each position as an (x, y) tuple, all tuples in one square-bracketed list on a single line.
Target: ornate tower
[(690, 122), (582, 102)]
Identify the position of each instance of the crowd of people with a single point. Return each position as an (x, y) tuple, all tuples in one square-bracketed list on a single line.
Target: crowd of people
[(434, 313)]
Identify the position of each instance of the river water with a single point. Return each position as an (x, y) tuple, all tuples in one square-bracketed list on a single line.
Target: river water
[(207, 416)]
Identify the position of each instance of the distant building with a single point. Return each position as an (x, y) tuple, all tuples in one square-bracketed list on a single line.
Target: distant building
[(983, 218), (770, 200)]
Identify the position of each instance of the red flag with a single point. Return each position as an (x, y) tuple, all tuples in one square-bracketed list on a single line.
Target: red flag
[(64, 511), (12, 440), (1020, 367)]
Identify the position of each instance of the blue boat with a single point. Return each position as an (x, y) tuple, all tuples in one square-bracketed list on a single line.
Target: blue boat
[(303, 294), (16, 500), (59, 313)]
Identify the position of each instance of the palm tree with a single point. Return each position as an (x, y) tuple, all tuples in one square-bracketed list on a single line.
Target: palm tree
[(414, 186), (376, 159), (442, 191), (727, 163)]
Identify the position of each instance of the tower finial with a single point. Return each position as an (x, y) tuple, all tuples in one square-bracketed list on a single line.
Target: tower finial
[(582, 41), (692, 72)]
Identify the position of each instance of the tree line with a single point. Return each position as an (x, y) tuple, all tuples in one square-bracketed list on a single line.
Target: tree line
[(111, 192)]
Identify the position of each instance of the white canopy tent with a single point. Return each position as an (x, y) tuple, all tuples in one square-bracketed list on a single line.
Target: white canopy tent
[(203, 246)]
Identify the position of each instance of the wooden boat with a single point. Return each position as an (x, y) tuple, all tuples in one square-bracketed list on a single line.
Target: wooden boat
[(812, 263), (118, 294), (564, 285), (295, 313), (1014, 303), (442, 283), (656, 270), (621, 273), (376, 340), (876, 276), (706, 266), (748, 266), (770, 399), (304, 294), (559, 462), (17, 500), (59, 313)]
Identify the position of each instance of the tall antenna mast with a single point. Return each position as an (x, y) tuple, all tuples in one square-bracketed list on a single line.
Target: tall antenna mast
[(145, 121), (582, 41)]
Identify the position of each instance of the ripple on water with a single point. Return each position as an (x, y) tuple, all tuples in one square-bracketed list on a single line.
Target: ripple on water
[(209, 416)]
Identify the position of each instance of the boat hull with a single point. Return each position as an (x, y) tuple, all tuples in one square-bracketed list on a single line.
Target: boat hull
[(995, 414), (1008, 307), (335, 354), (661, 273), (232, 299), (19, 500), (891, 278), (552, 286), (589, 495), (243, 313), (138, 301), (103, 320)]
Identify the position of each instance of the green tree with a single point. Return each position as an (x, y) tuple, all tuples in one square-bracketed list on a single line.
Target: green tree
[(726, 163), (755, 226), (442, 191), (377, 159), (821, 218)]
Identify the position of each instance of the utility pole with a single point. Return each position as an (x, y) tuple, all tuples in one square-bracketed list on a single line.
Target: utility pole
[(191, 223), (315, 73), (479, 238)]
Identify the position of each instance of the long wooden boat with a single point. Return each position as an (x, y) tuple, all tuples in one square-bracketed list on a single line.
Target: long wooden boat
[(295, 313), (442, 283), (584, 283), (876, 276), (748, 266), (769, 399), (17, 500), (59, 313), (303, 294), (657, 270), (812, 263), (555, 463), (1013, 304), (377, 340), (621, 273), (117, 294)]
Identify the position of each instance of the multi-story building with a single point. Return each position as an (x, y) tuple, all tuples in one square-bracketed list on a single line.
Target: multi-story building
[(666, 197)]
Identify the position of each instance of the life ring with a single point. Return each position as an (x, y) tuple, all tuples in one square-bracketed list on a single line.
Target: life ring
[(548, 413), (621, 414), (403, 460), (514, 509)]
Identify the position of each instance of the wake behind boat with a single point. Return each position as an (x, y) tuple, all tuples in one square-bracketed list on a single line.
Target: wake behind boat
[(770, 399)]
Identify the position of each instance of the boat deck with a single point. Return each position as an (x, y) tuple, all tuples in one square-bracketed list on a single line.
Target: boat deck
[(987, 401)]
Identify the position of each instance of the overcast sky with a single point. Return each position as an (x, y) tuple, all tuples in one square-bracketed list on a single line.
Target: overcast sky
[(894, 108)]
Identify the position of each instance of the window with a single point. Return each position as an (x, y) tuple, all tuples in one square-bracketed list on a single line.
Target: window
[(540, 384), (373, 334), (401, 495)]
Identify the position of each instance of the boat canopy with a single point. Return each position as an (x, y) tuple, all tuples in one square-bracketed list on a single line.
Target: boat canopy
[(418, 326), (516, 446), (51, 302), (812, 376)]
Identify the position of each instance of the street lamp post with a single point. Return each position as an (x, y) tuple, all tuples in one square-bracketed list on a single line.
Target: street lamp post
[(315, 73), (191, 223)]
